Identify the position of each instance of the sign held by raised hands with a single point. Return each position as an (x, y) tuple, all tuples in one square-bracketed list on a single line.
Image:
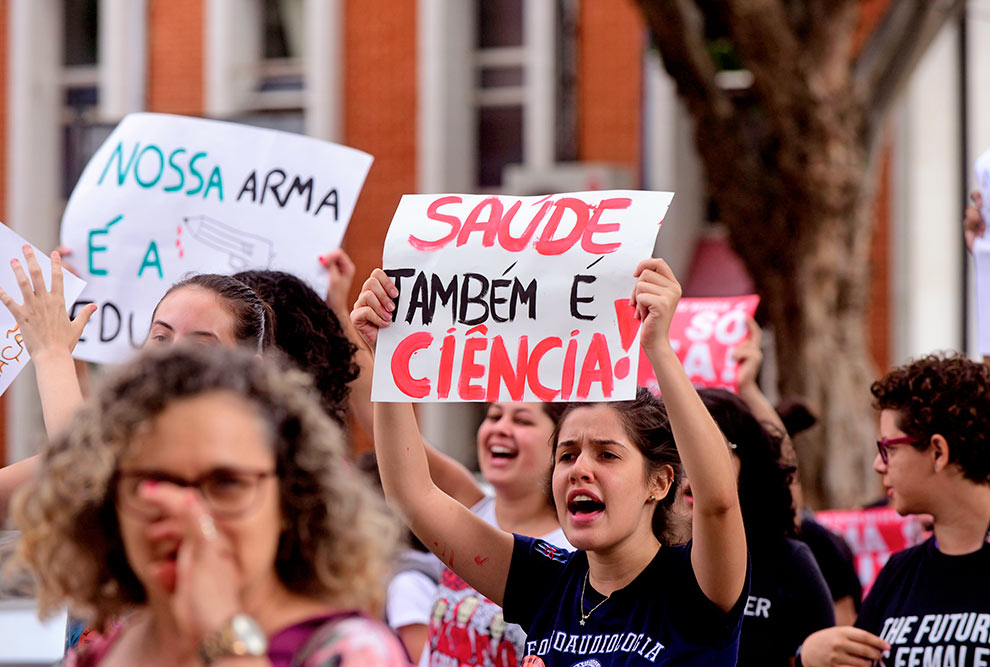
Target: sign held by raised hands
[(168, 196), (981, 258), (704, 333), (13, 353), (505, 298)]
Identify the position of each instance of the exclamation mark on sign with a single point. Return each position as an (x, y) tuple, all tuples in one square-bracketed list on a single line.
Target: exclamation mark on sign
[(628, 326), (178, 241)]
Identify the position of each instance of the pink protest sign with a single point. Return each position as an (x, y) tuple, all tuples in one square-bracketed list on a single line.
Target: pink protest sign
[(873, 535), (511, 298), (704, 333)]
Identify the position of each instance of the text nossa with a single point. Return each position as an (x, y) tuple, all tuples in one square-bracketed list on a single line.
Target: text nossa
[(147, 166), (586, 220)]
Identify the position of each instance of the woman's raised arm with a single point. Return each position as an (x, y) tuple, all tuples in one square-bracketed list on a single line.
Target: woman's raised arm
[(49, 336), (718, 553), (477, 551)]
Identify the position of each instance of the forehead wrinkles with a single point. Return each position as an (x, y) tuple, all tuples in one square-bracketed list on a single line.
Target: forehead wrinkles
[(142, 427)]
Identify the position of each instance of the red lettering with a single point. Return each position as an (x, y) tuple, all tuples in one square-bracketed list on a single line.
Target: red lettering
[(500, 369), (505, 238), (567, 378), (489, 227), (533, 368), (433, 213), (625, 315), (547, 245), (596, 227), (471, 370), (597, 367), (622, 368), (446, 365), (408, 346)]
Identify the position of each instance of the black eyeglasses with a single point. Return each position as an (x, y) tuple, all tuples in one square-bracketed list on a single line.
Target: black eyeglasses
[(229, 493), (884, 445)]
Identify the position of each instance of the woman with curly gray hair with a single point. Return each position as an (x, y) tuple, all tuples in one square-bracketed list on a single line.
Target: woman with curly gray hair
[(202, 497)]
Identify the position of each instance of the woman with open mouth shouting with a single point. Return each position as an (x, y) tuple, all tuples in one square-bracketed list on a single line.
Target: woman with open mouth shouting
[(625, 597)]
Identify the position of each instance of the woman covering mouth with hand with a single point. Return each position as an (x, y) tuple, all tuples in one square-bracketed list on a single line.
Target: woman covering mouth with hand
[(625, 597)]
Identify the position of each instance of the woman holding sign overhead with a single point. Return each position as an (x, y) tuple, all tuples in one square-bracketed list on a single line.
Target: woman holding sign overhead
[(625, 597)]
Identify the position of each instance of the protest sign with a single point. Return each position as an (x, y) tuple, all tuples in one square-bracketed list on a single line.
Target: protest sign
[(13, 354), (981, 258), (704, 333), (982, 171), (873, 535), (981, 265), (168, 196), (514, 298)]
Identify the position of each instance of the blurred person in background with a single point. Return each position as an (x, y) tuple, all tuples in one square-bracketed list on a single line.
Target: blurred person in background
[(788, 597)]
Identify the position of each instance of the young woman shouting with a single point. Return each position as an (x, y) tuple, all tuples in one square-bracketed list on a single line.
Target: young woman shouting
[(625, 597)]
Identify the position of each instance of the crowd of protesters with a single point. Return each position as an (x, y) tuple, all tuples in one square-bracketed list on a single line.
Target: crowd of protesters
[(201, 505)]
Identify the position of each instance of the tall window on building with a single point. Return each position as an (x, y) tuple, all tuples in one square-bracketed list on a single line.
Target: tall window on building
[(256, 61), (516, 45), (500, 61), (81, 132), (279, 78)]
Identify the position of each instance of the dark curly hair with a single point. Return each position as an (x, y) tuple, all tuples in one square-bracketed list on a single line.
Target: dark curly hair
[(648, 427), (947, 395), (764, 478), (253, 319), (336, 537), (310, 334)]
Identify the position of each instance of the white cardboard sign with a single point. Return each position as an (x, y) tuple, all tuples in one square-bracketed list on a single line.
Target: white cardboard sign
[(169, 196), (13, 355), (514, 298), (981, 258)]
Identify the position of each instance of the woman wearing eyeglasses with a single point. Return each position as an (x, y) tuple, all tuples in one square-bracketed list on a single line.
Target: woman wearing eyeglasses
[(930, 605), (203, 499)]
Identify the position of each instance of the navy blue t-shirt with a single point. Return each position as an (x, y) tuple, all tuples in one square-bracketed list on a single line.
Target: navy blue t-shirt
[(661, 618)]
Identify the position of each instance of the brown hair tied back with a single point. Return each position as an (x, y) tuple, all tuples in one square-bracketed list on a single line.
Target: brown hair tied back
[(254, 321)]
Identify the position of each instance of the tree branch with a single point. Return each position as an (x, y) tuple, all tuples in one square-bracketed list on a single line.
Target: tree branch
[(829, 40), (893, 50), (678, 34)]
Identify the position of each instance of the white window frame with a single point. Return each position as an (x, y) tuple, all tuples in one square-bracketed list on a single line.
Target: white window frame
[(235, 67), (449, 94)]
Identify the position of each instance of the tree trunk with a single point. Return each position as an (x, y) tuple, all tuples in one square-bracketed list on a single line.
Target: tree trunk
[(788, 164), (814, 286), (820, 328)]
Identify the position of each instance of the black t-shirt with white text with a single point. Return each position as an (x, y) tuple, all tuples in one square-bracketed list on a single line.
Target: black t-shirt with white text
[(932, 608), (788, 600), (661, 618)]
